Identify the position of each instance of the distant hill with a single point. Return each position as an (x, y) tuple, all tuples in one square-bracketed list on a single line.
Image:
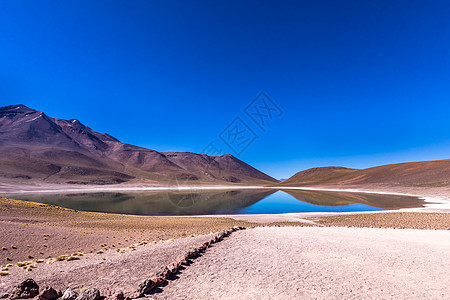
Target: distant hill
[(317, 175), (37, 148), (411, 174)]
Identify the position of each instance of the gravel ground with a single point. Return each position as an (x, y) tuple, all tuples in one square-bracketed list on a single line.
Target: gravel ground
[(319, 263), (440, 221), (122, 271), (43, 231)]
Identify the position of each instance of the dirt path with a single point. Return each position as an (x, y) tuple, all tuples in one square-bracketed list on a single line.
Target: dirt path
[(319, 263)]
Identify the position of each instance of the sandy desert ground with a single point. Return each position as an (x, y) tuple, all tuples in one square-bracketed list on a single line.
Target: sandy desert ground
[(45, 231), (320, 263), (309, 255), (108, 270), (270, 263)]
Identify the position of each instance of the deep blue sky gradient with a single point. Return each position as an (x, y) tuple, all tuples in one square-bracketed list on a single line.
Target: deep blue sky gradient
[(361, 83)]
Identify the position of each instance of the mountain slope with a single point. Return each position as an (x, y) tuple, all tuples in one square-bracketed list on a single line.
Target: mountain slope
[(37, 148), (315, 175), (411, 174)]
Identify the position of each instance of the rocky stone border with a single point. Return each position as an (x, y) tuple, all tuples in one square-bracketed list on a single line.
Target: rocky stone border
[(30, 289)]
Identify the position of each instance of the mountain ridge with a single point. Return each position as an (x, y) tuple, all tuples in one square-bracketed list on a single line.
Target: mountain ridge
[(435, 173), (36, 147)]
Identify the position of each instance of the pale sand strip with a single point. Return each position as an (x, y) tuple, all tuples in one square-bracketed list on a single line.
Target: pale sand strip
[(320, 263)]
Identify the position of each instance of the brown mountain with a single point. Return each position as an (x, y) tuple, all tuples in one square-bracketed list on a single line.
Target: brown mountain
[(411, 174), (316, 175), (37, 148)]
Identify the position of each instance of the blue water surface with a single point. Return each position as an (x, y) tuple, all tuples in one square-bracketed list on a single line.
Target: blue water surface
[(281, 202)]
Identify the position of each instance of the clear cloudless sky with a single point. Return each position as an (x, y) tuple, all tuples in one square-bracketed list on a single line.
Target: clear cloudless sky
[(361, 83)]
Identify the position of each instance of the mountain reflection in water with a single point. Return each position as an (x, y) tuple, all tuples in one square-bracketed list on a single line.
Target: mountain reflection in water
[(210, 202)]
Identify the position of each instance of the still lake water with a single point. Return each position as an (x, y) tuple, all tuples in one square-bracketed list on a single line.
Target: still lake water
[(209, 202)]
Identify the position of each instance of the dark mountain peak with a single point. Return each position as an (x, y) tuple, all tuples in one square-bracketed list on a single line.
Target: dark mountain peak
[(74, 125), (14, 110), (15, 107), (75, 122), (19, 115)]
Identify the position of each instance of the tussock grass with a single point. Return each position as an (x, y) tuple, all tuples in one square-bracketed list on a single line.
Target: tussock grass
[(62, 257), (22, 264), (83, 229), (70, 258), (401, 220)]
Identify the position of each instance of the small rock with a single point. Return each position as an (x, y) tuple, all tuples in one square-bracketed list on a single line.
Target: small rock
[(164, 272), (27, 289), (158, 281), (69, 294), (89, 294), (173, 268), (49, 293), (146, 287), (117, 295), (192, 253), (4, 296), (182, 259)]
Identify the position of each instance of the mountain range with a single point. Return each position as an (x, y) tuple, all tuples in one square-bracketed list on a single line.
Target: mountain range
[(36, 148), (422, 174)]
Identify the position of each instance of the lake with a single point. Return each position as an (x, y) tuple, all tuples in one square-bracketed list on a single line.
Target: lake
[(210, 202)]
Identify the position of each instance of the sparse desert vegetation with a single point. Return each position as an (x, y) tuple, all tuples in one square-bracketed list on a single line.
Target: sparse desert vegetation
[(24, 225), (439, 221)]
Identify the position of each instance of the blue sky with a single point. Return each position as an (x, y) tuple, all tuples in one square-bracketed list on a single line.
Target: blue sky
[(360, 83)]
